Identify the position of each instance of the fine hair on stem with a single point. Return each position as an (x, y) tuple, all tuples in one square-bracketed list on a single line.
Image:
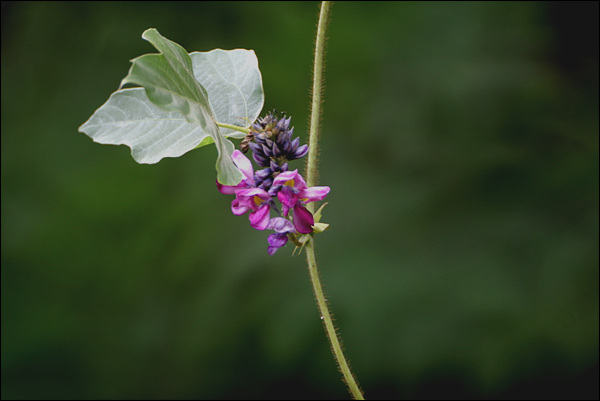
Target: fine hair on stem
[(312, 174)]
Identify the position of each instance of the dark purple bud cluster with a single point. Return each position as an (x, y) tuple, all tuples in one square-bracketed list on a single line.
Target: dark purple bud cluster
[(273, 147)]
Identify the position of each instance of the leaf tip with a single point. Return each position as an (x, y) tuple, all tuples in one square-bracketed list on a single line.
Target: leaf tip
[(149, 31)]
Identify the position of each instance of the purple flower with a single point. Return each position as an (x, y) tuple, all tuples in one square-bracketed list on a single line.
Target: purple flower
[(245, 166), (248, 198), (278, 239), (256, 201), (292, 192), (272, 147)]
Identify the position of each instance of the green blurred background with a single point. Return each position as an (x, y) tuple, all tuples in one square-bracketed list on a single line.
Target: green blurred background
[(460, 141)]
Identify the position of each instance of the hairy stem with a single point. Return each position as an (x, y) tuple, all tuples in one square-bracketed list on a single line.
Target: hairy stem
[(311, 173), (315, 109), (327, 318)]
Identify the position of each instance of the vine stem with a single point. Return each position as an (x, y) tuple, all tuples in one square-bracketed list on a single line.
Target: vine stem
[(312, 172), (315, 108), (327, 318)]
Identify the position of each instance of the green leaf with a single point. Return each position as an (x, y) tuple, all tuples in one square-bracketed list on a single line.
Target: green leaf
[(169, 80), (130, 118), (173, 113), (170, 84), (234, 85)]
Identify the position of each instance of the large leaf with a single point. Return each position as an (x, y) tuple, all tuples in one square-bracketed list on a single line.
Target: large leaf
[(170, 84), (184, 118), (169, 80), (234, 85), (130, 118)]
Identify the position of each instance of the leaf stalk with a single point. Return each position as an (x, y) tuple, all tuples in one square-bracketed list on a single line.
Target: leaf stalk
[(234, 127)]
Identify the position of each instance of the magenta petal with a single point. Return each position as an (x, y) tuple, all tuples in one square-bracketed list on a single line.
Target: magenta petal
[(247, 197), (260, 218), (287, 198), (230, 190), (244, 164), (238, 208), (243, 201), (314, 194), (252, 192), (284, 177), (300, 183), (303, 219)]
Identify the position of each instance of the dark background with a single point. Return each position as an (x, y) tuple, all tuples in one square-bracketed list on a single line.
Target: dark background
[(460, 141)]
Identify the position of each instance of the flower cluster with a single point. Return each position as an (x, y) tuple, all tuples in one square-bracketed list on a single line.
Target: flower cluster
[(272, 147)]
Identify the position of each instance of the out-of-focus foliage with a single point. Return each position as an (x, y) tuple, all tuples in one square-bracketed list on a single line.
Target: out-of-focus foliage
[(460, 141)]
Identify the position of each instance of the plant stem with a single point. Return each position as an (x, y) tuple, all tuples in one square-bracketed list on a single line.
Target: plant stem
[(315, 109), (326, 316), (311, 172), (235, 127)]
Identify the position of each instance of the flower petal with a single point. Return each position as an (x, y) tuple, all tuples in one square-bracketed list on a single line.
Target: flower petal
[(300, 183), (276, 241), (314, 194), (288, 199), (281, 225), (230, 190), (227, 189), (244, 164), (303, 219), (286, 176), (252, 192), (260, 218), (238, 208)]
